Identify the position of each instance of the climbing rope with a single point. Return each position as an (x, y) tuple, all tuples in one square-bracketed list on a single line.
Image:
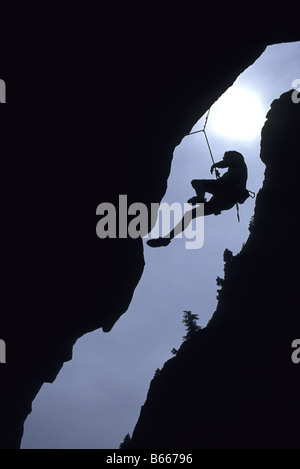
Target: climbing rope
[(208, 145)]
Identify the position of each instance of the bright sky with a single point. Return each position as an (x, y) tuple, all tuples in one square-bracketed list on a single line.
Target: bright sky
[(96, 398), (239, 113)]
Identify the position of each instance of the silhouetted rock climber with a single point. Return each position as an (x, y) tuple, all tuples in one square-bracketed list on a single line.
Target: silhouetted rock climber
[(227, 191)]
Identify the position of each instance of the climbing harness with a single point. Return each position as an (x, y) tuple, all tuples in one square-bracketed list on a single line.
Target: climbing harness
[(217, 173)]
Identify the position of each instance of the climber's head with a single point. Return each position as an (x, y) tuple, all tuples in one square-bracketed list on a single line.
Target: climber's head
[(233, 157)]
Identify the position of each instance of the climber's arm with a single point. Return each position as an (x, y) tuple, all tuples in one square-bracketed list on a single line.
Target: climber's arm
[(220, 164)]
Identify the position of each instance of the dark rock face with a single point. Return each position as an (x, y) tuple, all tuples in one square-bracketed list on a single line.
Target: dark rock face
[(234, 385), (96, 103)]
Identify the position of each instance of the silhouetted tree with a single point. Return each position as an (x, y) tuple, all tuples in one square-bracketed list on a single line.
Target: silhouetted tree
[(157, 373), (227, 256), (174, 351), (251, 224), (220, 283), (126, 442), (189, 320)]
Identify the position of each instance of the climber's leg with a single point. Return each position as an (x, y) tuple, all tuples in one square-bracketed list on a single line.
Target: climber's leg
[(184, 222), (179, 228), (199, 188)]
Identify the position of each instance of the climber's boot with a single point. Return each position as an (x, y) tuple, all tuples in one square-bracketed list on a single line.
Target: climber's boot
[(158, 242), (196, 200)]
